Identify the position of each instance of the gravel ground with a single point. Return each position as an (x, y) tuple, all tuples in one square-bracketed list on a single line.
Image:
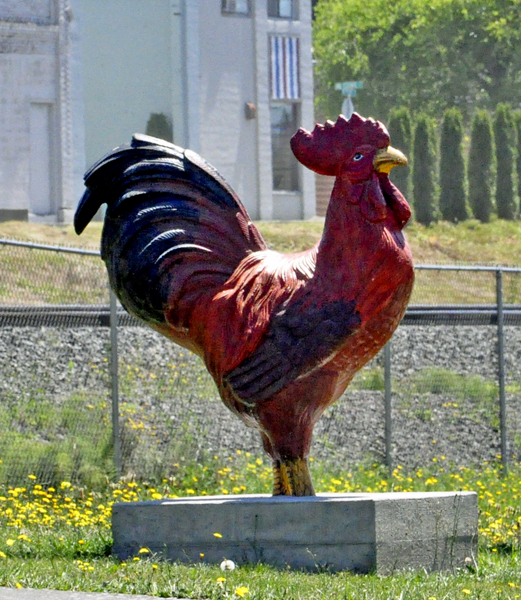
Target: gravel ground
[(427, 422)]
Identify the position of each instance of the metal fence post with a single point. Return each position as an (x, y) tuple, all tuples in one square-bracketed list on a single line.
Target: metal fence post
[(114, 382), (387, 398), (501, 368)]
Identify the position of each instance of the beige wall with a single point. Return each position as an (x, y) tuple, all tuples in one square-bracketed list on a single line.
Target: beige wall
[(29, 11), (41, 142), (180, 57), (233, 68), (127, 69), (227, 82), (26, 79)]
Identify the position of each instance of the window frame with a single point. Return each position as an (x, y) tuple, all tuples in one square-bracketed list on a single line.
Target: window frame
[(294, 166), (227, 10), (274, 10)]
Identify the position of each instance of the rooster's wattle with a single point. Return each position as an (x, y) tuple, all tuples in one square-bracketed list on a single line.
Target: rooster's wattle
[(282, 335)]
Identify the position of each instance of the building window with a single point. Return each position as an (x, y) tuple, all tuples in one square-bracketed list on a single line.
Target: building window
[(283, 9), (241, 7), (284, 124), (284, 68), (285, 90)]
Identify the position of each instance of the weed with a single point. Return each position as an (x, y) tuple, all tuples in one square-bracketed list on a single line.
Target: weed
[(369, 379), (59, 537)]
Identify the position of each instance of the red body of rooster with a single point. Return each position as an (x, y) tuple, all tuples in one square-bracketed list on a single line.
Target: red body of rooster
[(282, 335)]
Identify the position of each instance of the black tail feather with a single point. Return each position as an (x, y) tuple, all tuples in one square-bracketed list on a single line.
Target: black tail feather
[(171, 222)]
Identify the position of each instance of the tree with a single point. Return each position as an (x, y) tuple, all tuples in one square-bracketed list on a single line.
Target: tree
[(503, 129), (400, 131), (452, 168), (424, 161), (480, 166), (160, 126), (517, 127), (428, 56)]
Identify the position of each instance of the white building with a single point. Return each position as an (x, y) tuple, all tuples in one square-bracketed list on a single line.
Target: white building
[(230, 79), (41, 118)]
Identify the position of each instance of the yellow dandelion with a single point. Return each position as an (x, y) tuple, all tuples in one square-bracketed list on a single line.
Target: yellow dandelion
[(154, 567), (9, 542), (465, 591), (18, 586), (218, 535), (220, 579), (3, 554), (136, 559), (144, 551), (32, 477), (242, 591)]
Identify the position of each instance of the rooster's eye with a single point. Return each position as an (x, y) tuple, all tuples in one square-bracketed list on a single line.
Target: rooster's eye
[(358, 156)]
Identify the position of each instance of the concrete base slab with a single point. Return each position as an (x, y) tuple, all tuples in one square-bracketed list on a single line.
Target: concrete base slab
[(355, 532)]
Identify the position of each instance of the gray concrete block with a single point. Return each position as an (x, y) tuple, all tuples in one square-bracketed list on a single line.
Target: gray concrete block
[(355, 532)]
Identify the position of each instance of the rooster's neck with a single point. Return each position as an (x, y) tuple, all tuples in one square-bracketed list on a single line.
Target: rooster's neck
[(347, 235)]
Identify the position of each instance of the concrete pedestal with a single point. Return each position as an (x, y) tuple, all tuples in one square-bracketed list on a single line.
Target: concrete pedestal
[(356, 532)]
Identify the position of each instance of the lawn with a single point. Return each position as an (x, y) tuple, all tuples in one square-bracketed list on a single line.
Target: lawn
[(47, 277), (60, 537), (497, 242)]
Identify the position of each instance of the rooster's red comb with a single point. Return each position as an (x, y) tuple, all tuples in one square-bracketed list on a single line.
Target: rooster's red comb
[(328, 146)]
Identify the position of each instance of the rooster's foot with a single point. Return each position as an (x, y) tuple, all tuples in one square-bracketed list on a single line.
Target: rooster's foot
[(281, 485), (292, 478)]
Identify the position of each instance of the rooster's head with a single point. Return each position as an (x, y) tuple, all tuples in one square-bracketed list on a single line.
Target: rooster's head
[(357, 152)]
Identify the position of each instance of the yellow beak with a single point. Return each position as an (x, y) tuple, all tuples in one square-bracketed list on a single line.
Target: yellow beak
[(388, 158)]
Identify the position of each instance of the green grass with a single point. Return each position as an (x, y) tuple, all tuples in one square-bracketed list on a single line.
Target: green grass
[(60, 537), (59, 441), (45, 277), (496, 578), (68, 437), (35, 277), (55, 530), (497, 242)]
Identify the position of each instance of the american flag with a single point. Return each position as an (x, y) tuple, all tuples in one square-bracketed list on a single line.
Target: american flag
[(284, 68)]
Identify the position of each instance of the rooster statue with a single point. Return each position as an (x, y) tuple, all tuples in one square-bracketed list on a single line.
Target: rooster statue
[(282, 335)]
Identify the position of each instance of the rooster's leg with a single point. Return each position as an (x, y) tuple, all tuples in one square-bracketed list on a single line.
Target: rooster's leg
[(281, 486), (299, 477), (291, 477)]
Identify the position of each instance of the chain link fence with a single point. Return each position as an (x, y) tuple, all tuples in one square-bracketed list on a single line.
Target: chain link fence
[(88, 394)]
